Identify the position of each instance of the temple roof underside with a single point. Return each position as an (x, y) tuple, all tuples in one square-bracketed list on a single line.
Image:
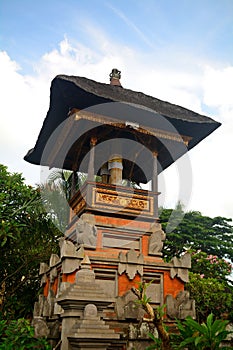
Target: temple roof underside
[(134, 123)]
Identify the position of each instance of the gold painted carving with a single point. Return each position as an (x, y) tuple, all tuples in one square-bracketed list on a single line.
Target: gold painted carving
[(79, 206), (137, 204)]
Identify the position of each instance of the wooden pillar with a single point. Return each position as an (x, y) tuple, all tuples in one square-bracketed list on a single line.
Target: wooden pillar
[(91, 171), (115, 168), (155, 183), (104, 173)]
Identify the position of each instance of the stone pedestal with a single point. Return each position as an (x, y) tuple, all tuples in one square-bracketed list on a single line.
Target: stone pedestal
[(83, 304)]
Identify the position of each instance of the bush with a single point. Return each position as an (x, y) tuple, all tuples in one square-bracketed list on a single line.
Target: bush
[(19, 335)]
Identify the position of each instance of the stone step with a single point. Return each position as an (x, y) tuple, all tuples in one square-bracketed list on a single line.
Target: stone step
[(95, 336)]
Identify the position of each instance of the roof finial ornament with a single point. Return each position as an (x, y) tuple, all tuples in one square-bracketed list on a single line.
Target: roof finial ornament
[(115, 77)]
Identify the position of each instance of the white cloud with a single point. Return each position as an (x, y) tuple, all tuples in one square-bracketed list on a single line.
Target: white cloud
[(25, 101), (218, 87)]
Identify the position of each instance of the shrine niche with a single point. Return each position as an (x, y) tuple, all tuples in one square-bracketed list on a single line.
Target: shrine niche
[(119, 139)]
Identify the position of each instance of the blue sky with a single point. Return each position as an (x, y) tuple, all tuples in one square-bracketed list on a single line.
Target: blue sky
[(179, 51), (202, 28)]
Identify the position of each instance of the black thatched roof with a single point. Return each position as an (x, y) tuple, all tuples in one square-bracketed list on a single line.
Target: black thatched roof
[(69, 92)]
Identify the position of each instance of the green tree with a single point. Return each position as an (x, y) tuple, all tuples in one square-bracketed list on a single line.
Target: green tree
[(211, 266), (27, 237), (210, 240), (192, 230), (211, 296)]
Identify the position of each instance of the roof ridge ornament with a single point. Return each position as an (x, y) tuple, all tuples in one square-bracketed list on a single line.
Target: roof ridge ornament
[(115, 77)]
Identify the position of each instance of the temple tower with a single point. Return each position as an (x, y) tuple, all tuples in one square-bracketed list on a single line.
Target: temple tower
[(120, 139)]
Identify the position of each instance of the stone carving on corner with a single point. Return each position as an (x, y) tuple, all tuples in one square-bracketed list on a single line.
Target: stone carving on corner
[(40, 327), (131, 263), (141, 330), (67, 248), (180, 267), (181, 306), (48, 309), (61, 289), (70, 257), (44, 268), (39, 306), (86, 232), (53, 274), (54, 260), (156, 239), (43, 280), (127, 308)]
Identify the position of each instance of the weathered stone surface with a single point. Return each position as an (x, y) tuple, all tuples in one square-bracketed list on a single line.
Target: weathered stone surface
[(85, 290), (85, 274), (86, 232), (53, 274), (70, 264), (181, 306), (89, 218), (180, 267), (126, 307), (40, 327), (67, 248), (54, 259), (36, 310), (43, 280), (41, 304), (62, 287), (90, 311), (54, 328), (131, 263), (43, 268), (58, 310), (46, 309), (138, 344), (91, 331), (184, 261), (132, 256), (156, 240), (132, 331), (141, 330)]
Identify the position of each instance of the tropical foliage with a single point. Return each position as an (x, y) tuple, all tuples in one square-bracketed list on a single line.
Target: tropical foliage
[(204, 336), (194, 231), (19, 335), (27, 237)]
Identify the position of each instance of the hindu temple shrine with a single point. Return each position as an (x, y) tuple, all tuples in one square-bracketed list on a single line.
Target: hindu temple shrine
[(113, 241)]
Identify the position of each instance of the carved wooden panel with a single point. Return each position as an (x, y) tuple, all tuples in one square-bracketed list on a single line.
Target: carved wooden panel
[(120, 200)]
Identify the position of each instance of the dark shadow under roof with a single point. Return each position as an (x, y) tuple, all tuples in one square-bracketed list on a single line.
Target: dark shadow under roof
[(69, 92)]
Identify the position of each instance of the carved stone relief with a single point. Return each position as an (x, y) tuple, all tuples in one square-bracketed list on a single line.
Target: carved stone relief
[(156, 240), (181, 306), (86, 232), (43, 268), (40, 327), (180, 267), (131, 263), (54, 259), (127, 308)]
